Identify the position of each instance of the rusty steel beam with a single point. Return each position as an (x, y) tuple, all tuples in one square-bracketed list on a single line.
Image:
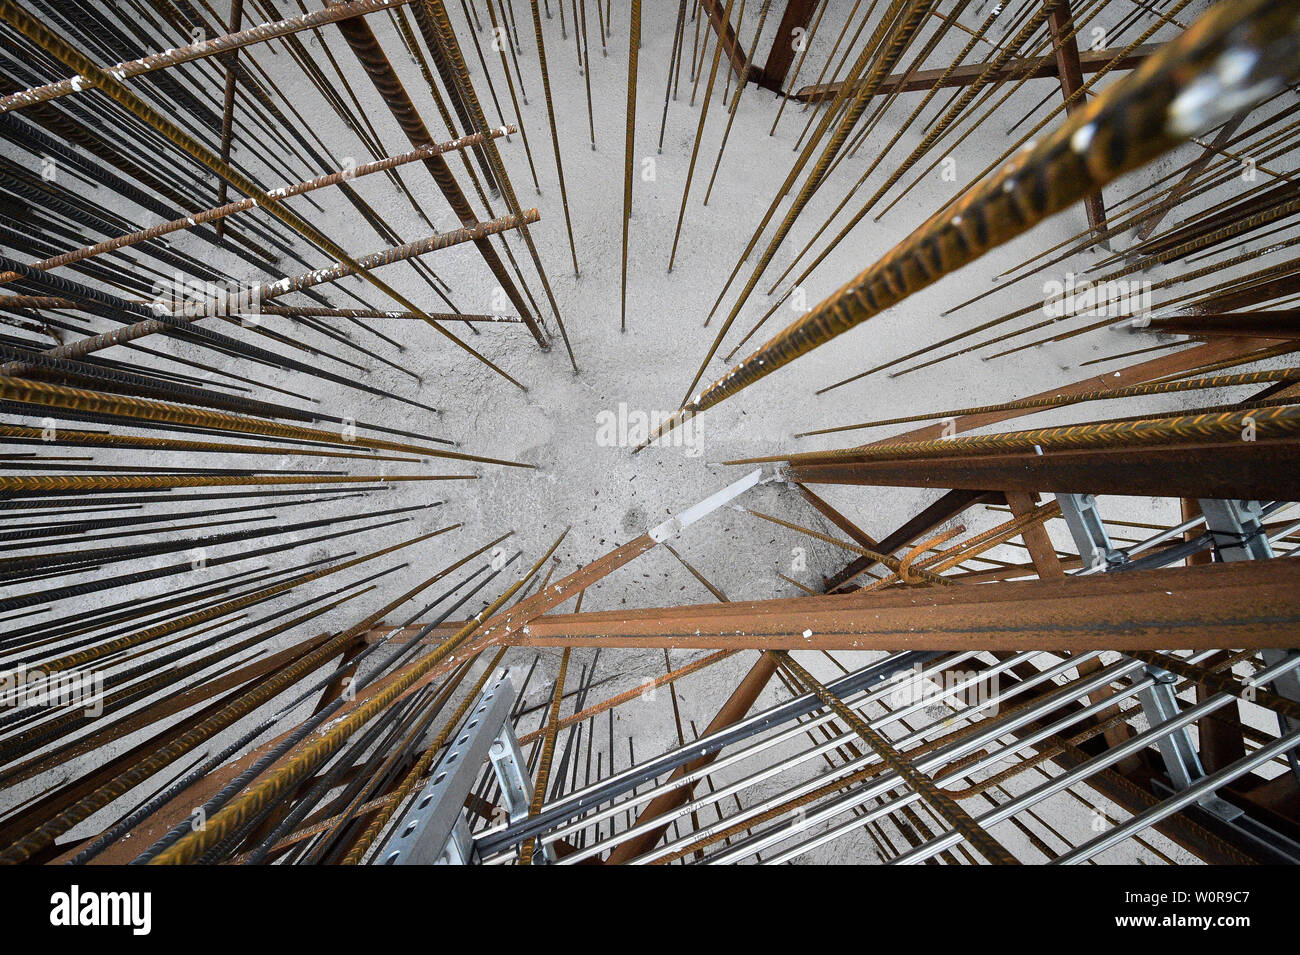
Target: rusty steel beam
[(1035, 536), (1283, 324), (1043, 67), (822, 507), (1070, 72), (796, 17), (732, 49), (1245, 604), (1251, 293), (942, 510), (1242, 469), (1194, 170)]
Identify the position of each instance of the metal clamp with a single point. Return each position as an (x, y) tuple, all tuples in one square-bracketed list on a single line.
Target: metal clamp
[(1237, 528), (1089, 533)]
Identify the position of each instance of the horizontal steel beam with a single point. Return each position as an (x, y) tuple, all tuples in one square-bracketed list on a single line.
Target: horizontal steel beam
[(1246, 470), (1250, 604), (1283, 324), (1043, 67)]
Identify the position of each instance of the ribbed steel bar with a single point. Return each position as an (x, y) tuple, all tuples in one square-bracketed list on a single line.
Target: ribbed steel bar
[(699, 133), (41, 35), (1133, 391), (111, 306), (271, 753), (501, 34), (141, 770), (871, 167), (58, 396), (1077, 97), (205, 48), (905, 23), (243, 205), (548, 743), (20, 566), (170, 319), (36, 738), (1156, 107), (584, 64), (60, 482), (230, 63), (735, 103), (1262, 423), (296, 768), (877, 557), (382, 674), (359, 801), (433, 19), (318, 311), (555, 136), (1059, 40), (807, 40), (633, 52), (840, 104)]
